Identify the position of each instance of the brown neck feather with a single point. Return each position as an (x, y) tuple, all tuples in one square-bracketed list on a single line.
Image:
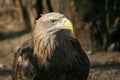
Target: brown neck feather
[(45, 45)]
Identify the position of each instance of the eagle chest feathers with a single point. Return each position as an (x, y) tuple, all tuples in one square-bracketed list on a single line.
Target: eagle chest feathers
[(54, 50)]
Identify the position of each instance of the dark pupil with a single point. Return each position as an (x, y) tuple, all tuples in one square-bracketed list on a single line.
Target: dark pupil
[(53, 21)]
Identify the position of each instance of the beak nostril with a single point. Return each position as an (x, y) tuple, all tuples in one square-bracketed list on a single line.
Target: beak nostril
[(65, 21)]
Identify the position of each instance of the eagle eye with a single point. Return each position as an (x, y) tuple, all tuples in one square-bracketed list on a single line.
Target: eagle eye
[(53, 20)]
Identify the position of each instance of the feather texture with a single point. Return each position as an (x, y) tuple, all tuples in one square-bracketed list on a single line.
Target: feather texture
[(51, 54)]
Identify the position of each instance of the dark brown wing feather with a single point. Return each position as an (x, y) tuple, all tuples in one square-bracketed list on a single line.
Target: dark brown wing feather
[(82, 58), (23, 63)]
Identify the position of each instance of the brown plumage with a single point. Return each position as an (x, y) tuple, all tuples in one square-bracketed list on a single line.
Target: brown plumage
[(51, 54)]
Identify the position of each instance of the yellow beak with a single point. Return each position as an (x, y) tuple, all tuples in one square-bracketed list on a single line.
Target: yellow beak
[(67, 24)]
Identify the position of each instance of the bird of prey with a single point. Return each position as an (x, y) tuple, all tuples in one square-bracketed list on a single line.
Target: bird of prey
[(52, 54)]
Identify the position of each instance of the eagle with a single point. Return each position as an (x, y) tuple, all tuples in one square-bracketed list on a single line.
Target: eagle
[(51, 53)]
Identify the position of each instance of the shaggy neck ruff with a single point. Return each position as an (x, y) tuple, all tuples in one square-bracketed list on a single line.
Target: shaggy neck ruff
[(47, 43)]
